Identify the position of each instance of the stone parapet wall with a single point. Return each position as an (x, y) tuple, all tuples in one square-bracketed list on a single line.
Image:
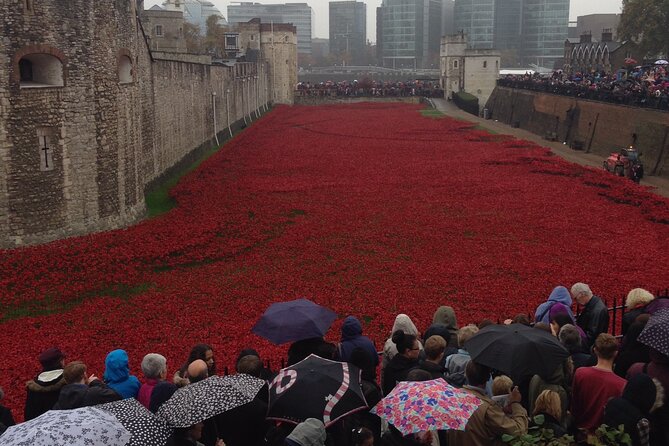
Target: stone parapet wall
[(601, 127)]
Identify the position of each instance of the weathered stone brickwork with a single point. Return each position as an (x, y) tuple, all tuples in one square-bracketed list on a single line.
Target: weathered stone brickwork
[(89, 116)]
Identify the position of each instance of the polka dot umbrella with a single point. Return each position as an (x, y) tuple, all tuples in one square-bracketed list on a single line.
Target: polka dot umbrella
[(656, 332), (145, 428), (208, 398)]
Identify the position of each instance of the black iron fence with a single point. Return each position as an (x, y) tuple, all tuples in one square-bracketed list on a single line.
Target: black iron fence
[(621, 96)]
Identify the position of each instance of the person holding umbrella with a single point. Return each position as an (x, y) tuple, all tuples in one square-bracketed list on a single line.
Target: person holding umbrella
[(490, 421)]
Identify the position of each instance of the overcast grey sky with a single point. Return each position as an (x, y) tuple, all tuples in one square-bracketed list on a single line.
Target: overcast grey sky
[(578, 7)]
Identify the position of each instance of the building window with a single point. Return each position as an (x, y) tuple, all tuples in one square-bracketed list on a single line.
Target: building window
[(485, 64), (455, 64), (124, 70), (232, 41), (45, 148), (40, 70), (159, 30)]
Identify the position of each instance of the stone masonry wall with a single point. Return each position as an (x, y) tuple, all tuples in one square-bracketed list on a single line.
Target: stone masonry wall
[(602, 127), (107, 137)]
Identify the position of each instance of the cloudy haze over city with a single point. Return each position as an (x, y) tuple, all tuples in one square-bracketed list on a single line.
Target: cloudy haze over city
[(578, 7)]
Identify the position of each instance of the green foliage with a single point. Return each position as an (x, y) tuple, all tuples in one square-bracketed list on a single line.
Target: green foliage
[(467, 102), (646, 22), (610, 436), (538, 435)]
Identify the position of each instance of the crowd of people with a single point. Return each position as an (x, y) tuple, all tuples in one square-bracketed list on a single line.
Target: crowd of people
[(602, 381), (643, 86), (371, 88)]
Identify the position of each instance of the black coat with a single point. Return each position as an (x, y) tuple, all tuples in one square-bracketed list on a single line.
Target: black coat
[(553, 424), (244, 425), (6, 417), (397, 370), (42, 395), (594, 319), (74, 396), (436, 370)]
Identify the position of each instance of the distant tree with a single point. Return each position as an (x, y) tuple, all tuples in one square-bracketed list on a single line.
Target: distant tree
[(193, 38), (214, 40), (646, 22)]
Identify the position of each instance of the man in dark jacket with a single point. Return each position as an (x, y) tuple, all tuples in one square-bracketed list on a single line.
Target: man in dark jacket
[(44, 390), (594, 319), (82, 390)]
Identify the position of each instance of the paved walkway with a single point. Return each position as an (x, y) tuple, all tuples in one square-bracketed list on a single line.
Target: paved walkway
[(660, 185)]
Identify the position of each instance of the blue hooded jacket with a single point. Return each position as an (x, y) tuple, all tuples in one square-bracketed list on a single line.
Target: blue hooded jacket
[(117, 375), (559, 295), (352, 338)]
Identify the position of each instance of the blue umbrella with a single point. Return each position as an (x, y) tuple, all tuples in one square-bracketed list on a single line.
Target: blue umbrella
[(295, 320)]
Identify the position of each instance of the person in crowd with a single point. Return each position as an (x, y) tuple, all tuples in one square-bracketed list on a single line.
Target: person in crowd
[(352, 338), (162, 392), (6, 417), (154, 367), (458, 362), (83, 390), (522, 319), (245, 425), (544, 326), (199, 351), (502, 385), (117, 375), (634, 408), (638, 302), (559, 382), (548, 404), (559, 319), (300, 350), (43, 391), (559, 295), (484, 323), (362, 436), (490, 421), (570, 337), (197, 371), (397, 369), (658, 369), (631, 350), (266, 372), (372, 393), (444, 324), (594, 386), (191, 436), (310, 432), (594, 319), (404, 323), (434, 357)]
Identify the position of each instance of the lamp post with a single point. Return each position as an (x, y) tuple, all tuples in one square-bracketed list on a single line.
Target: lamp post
[(227, 110), (213, 102)]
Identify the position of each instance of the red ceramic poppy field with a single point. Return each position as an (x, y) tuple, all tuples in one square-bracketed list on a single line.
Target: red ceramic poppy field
[(368, 209)]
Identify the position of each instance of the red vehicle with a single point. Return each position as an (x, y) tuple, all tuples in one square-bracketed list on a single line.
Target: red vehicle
[(625, 163)]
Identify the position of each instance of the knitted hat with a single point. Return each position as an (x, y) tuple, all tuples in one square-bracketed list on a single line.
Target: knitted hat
[(309, 433)]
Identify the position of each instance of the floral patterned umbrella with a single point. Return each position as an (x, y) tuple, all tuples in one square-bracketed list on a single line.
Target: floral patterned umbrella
[(87, 426), (426, 405)]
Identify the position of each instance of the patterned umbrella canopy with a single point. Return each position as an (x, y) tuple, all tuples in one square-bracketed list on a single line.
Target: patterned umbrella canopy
[(145, 428), (427, 405), (316, 388), (294, 321), (87, 426), (208, 398), (656, 332)]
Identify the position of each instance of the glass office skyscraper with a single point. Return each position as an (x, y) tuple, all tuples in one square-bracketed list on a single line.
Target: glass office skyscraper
[(532, 31), (348, 29), (410, 33)]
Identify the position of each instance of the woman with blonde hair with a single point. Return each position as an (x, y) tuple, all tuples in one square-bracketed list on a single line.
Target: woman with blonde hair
[(549, 405), (638, 302)]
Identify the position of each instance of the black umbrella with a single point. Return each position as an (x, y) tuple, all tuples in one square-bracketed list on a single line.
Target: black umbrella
[(208, 398), (294, 320), (145, 428), (517, 350), (316, 388)]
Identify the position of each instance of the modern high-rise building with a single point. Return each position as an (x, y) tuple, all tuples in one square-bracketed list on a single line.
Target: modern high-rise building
[(298, 14), (525, 31), (195, 11), (410, 33), (348, 29)]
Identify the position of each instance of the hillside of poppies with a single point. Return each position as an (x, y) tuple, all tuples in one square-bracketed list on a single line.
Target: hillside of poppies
[(369, 209)]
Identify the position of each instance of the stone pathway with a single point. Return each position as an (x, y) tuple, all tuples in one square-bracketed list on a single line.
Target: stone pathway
[(660, 185)]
